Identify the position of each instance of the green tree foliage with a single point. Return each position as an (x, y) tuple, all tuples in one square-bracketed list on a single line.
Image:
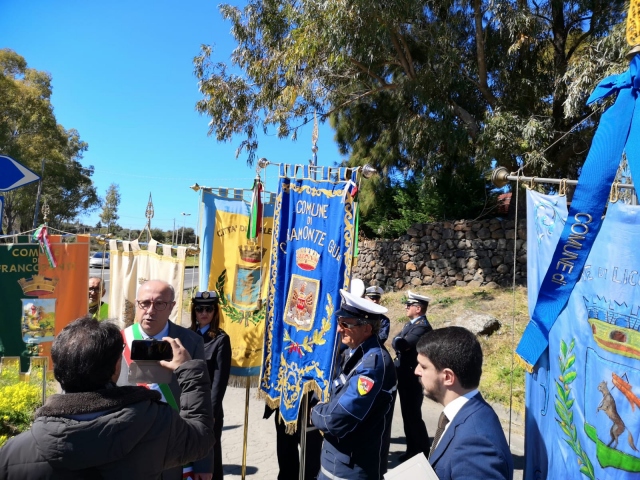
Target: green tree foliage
[(426, 91), (30, 134), (109, 215)]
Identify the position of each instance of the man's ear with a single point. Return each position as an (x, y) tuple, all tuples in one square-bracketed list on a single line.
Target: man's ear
[(449, 377)]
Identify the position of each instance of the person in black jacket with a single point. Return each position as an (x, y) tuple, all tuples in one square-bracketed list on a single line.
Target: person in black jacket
[(96, 429), (205, 320), (409, 387)]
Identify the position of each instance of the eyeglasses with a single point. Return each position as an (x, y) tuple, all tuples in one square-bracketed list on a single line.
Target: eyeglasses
[(91, 289), (348, 326), (409, 305), (146, 305), (201, 309)]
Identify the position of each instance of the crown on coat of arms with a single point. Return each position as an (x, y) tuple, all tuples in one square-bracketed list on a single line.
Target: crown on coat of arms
[(38, 285), (251, 253), (307, 258)]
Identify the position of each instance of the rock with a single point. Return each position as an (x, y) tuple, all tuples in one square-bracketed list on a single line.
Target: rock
[(411, 267), (478, 323)]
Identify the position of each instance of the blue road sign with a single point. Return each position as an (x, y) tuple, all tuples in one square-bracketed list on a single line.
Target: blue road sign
[(14, 175), (1, 211)]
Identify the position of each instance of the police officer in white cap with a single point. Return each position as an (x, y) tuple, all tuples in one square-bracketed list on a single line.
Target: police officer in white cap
[(410, 390), (374, 293), (356, 421)]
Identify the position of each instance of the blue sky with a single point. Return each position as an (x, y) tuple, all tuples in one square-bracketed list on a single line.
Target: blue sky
[(122, 76)]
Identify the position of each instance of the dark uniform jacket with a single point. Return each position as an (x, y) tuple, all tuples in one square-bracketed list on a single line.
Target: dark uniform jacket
[(127, 433), (217, 354), (357, 419), (405, 346)]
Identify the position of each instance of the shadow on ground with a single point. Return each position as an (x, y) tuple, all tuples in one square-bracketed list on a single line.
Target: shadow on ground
[(237, 470)]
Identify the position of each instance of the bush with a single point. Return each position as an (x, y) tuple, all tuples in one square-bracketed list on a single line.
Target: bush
[(18, 399)]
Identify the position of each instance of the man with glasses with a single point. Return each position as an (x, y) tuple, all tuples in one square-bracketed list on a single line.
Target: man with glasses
[(154, 303), (409, 388), (356, 421), (97, 308)]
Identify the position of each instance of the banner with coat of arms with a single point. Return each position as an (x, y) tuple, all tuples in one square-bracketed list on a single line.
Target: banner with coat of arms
[(39, 300), (583, 396), (236, 268), (311, 259)]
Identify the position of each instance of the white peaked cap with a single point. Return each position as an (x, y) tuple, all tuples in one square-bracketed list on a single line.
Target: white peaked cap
[(357, 287), (353, 306), (415, 298), (374, 291)]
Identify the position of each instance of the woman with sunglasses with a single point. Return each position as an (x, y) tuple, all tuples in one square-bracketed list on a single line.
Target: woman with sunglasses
[(205, 320)]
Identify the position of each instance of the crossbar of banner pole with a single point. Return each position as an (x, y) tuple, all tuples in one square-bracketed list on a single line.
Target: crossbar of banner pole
[(500, 177)]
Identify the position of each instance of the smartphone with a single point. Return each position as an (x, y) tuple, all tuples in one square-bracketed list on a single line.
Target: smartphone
[(151, 350)]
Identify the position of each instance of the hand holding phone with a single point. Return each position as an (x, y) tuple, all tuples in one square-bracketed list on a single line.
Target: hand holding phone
[(180, 354)]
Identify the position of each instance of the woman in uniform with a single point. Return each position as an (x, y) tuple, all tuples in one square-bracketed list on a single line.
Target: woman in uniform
[(205, 320)]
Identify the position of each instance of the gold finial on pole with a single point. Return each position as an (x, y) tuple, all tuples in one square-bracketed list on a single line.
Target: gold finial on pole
[(149, 212)]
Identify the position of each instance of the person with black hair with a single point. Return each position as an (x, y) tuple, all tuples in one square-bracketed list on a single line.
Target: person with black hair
[(469, 442), (96, 429)]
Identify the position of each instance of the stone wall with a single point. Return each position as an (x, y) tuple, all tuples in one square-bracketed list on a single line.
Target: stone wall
[(461, 253)]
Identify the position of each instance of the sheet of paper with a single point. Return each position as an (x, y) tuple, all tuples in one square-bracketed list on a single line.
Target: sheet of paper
[(416, 468)]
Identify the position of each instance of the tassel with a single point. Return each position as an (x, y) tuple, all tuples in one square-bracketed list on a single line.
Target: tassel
[(255, 214), (42, 237)]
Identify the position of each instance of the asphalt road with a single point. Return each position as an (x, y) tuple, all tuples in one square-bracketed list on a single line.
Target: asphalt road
[(190, 276)]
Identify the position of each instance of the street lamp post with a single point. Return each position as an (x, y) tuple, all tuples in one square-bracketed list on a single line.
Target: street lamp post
[(185, 215)]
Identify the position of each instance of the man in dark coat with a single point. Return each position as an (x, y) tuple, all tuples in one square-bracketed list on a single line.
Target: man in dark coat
[(356, 421), (99, 430), (469, 442), (154, 303), (409, 388)]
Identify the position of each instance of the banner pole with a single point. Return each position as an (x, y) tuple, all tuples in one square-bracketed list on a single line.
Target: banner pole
[(304, 405), (246, 430)]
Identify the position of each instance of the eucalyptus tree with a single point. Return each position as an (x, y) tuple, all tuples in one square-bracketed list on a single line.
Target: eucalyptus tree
[(418, 88)]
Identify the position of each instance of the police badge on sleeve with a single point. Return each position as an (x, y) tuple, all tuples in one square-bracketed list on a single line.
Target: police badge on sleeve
[(365, 384)]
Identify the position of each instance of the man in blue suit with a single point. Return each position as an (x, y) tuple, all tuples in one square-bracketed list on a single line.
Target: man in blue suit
[(469, 442)]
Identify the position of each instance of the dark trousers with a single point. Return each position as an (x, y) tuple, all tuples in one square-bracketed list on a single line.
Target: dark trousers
[(287, 450), (217, 448), (415, 431)]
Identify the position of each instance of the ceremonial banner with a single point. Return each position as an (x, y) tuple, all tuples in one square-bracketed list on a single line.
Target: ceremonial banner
[(236, 268), (583, 398), (311, 259), (38, 301), (132, 266)]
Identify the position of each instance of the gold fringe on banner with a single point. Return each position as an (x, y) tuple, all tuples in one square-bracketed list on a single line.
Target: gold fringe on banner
[(241, 382)]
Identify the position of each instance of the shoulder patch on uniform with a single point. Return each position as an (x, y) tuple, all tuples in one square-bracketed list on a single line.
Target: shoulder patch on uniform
[(365, 384)]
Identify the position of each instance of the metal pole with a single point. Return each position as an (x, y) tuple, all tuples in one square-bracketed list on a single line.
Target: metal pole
[(35, 214), (246, 430), (304, 405), (500, 177)]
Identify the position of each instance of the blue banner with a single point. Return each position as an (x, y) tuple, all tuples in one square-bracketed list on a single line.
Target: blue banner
[(583, 397), (614, 135), (311, 258)]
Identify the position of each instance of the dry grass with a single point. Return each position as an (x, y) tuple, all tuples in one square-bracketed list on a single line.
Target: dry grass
[(502, 378)]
